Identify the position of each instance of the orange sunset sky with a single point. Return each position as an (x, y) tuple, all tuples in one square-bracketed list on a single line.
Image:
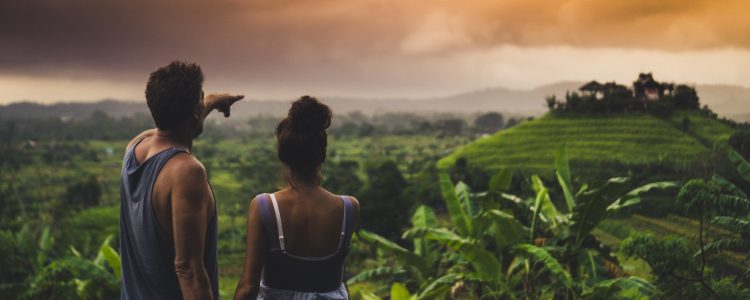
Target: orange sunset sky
[(53, 50)]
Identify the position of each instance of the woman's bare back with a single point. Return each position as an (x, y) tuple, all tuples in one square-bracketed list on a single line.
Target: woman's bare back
[(311, 219)]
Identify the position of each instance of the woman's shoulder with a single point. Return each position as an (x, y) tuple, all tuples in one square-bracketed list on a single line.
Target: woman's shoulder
[(355, 202), (354, 205)]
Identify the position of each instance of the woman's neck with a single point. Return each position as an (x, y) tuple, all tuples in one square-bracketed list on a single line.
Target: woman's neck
[(302, 183)]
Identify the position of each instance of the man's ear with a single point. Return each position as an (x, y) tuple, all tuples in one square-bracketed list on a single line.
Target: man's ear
[(198, 110)]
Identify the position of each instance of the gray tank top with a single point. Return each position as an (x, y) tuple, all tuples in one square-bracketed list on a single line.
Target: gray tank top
[(146, 251)]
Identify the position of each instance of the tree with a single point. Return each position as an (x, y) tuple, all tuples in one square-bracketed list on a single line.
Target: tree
[(489, 122), (551, 102), (84, 193), (740, 141), (341, 177), (680, 266), (685, 124), (451, 127), (384, 209), (686, 97)]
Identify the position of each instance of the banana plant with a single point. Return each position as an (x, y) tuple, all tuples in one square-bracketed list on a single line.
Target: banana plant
[(76, 277), (492, 250), (418, 264), (539, 251), (567, 235)]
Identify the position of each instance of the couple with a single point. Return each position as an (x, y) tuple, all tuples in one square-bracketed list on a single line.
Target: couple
[(297, 238)]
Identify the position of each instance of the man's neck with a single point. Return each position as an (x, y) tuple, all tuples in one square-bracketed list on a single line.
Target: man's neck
[(179, 138)]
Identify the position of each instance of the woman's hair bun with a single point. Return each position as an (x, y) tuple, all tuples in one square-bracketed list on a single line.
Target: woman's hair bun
[(308, 115)]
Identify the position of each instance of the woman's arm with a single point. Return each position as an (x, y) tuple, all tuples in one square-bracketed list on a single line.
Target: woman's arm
[(255, 251)]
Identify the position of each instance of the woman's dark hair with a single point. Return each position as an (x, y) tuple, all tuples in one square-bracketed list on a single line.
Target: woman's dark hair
[(302, 138)]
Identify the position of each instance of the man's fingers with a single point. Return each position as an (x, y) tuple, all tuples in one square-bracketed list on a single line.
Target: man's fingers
[(226, 112), (237, 98)]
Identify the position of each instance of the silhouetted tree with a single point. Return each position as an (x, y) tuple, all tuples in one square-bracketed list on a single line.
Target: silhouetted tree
[(84, 194), (686, 97), (451, 126), (489, 122), (341, 177), (740, 141), (384, 209)]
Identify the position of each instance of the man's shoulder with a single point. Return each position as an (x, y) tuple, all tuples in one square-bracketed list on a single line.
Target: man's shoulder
[(186, 166), (140, 136)]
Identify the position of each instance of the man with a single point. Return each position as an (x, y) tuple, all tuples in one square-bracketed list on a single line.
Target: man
[(167, 209)]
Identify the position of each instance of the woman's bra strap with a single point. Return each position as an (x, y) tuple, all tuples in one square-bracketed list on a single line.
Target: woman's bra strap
[(279, 228), (347, 227), (267, 220)]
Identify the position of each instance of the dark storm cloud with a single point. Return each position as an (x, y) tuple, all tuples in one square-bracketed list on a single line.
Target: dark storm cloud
[(252, 37), (327, 40)]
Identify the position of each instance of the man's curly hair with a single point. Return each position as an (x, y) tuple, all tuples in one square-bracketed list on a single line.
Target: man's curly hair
[(172, 91)]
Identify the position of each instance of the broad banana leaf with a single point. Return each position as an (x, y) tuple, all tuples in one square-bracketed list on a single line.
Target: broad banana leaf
[(592, 206), (619, 288), (501, 181), (403, 255), (399, 292), (562, 169), (484, 262), (633, 197), (543, 207), (108, 254), (423, 216), (455, 209), (379, 272), (45, 245), (438, 288), (463, 192), (502, 226), (551, 264), (743, 167)]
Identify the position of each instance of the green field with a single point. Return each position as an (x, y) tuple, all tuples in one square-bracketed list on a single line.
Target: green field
[(627, 139), (611, 232), (46, 183), (238, 169)]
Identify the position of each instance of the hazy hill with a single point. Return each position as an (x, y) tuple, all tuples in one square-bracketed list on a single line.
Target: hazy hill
[(628, 139), (730, 101)]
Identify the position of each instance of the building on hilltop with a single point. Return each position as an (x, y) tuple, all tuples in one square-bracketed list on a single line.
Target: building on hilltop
[(600, 91), (648, 89), (646, 94)]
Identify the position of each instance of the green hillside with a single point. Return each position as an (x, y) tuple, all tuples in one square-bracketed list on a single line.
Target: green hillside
[(628, 139)]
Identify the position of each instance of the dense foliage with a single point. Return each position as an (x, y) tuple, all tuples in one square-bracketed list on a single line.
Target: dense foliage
[(478, 225)]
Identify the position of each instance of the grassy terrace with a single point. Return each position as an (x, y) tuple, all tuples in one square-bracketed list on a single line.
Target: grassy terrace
[(705, 129), (611, 232), (629, 139)]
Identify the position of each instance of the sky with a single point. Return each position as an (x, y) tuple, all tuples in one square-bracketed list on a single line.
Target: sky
[(86, 50)]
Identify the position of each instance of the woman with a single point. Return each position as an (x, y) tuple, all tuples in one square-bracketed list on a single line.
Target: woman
[(297, 238)]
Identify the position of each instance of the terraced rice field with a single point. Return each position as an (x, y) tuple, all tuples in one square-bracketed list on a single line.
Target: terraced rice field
[(612, 231), (628, 139)]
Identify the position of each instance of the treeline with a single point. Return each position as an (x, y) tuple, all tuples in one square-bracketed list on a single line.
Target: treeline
[(622, 100), (101, 126)]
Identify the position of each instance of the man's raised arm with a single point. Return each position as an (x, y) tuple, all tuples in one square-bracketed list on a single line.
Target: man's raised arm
[(191, 207), (220, 102)]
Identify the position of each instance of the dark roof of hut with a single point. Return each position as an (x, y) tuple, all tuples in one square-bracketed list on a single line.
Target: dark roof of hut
[(592, 86)]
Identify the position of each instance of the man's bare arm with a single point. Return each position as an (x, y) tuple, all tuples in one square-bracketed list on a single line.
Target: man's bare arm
[(220, 102), (191, 202)]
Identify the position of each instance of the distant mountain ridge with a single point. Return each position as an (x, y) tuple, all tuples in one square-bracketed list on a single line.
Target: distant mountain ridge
[(726, 100)]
